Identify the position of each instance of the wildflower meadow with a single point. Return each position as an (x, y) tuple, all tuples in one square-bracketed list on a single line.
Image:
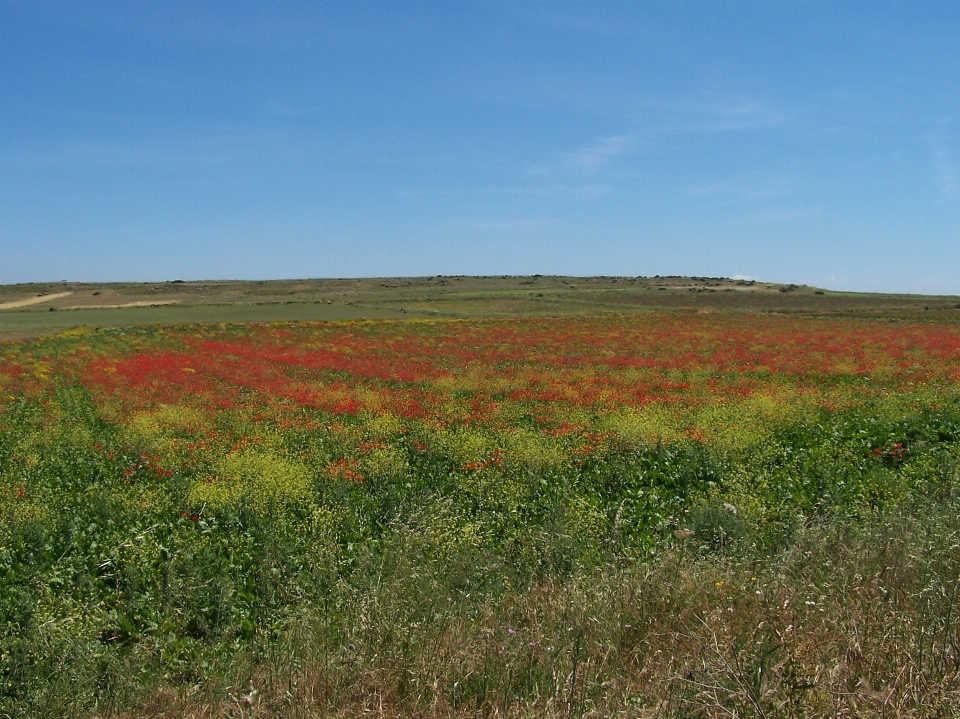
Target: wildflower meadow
[(662, 514)]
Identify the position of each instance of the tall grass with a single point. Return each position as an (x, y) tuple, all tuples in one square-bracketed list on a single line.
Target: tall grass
[(853, 619)]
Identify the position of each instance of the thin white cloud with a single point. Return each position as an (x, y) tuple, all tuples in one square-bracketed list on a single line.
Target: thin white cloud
[(581, 191), (207, 149), (711, 190), (276, 108), (587, 159), (746, 188), (729, 113), (602, 151), (946, 176), (510, 224), (742, 114), (775, 216)]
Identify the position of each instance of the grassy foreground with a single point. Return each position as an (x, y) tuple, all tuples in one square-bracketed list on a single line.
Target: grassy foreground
[(853, 619), (649, 515)]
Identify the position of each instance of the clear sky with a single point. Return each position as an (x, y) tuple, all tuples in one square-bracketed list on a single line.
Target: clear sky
[(809, 142)]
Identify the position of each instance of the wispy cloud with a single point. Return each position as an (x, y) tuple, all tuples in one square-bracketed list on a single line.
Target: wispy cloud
[(510, 224), (947, 176), (602, 151), (727, 113), (206, 149), (580, 191), (739, 113), (776, 216), (587, 159), (276, 108), (746, 188), (758, 198)]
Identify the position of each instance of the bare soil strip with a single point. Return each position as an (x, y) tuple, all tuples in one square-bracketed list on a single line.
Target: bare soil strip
[(33, 300), (144, 303)]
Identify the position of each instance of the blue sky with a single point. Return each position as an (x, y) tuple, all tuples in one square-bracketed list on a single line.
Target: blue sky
[(810, 142)]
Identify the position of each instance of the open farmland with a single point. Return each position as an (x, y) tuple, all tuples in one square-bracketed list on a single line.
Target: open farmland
[(646, 514), (29, 310)]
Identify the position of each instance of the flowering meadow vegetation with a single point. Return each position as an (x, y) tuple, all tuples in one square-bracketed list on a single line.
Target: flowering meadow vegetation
[(682, 514)]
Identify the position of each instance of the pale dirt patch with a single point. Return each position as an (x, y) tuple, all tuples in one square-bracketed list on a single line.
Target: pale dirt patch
[(33, 300), (143, 303)]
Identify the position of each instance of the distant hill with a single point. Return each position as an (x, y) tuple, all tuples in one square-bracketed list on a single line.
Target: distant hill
[(36, 308)]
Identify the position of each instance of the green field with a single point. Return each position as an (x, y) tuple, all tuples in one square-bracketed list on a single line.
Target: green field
[(280, 300), (499, 497), (21, 324)]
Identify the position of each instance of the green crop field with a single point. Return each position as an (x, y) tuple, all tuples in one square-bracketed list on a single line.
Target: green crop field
[(501, 497), (64, 305), (27, 324)]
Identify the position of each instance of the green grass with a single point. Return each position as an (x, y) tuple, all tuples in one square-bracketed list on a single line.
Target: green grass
[(816, 582), (854, 619), (15, 324), (803, 576), (276, 300)]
